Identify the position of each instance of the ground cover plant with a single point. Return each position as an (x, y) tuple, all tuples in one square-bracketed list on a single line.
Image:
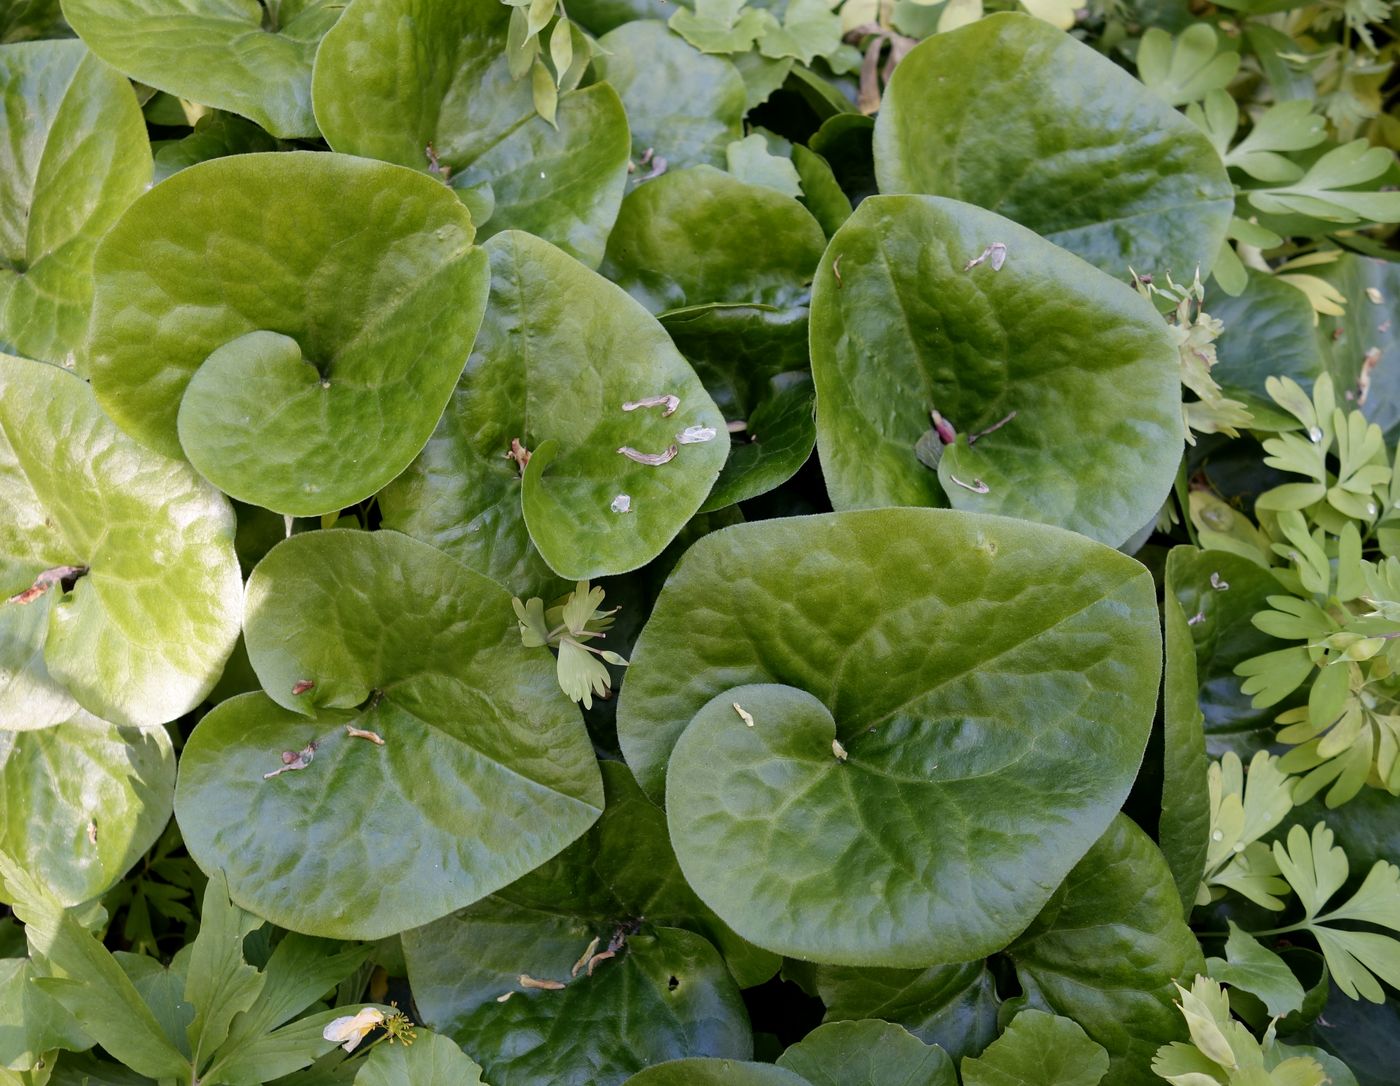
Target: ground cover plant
[(828, 542)]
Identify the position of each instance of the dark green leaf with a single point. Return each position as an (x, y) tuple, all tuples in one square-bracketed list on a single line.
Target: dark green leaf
[(1106, 949), (893, 638), (1012, 114), (1069, 378), (1038, 1049), (683, 107), (426, 85), (665, 994), (868, 1053), (485, 769)]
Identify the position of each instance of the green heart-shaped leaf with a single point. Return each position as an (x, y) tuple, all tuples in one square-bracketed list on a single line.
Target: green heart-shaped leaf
[(729, 265), (75, 155), (1062, 385), (501, 981), (364, 298), (1038, 1049), (82, 801), (925, 659), (561, 352), (431, 1060), (146, 544), (683, 107), (483, 773), (953, 1006), (699, 236), (1018, 117), (868, 1053), (1106, 949), (230, 54), (394, 79), (624, 867)]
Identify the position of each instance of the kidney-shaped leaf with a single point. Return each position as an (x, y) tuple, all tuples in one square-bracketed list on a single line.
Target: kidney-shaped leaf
[(83, 800), (952, 1006), (947, 709), (868, 1053), (394, 79), (523, 992), (300, 319), (1061, 385), (1106, 949), (483, 773), (698, 236), (624, 867), (684, 107), (1018, 117), (146, 545), (75, 154), (231, 54), (1038, 1049), (431, 1060), (568, 365)]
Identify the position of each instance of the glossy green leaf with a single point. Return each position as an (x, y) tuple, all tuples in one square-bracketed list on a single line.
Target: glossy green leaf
[(484, 772), (1106, 948), (229, 54), (1184, 823), (75, 154), (714, 1072), (1069, 378), (624, 867), (868, 1053), (953, 1006), (144, 633), (82, 801), (561, 354), (1250, 965), (760, 816), (728, 265), (699, 236), (664, 994), (778, 437), (1268, 333), (1222, 629), (216, 135), (1366, 338), (394, 79), (1038, 1049), (682, 106), (1017, 116), (181, 333), (431, 1060)]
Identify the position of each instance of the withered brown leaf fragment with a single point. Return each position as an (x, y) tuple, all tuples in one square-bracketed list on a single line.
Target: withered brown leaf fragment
[(46, 580)]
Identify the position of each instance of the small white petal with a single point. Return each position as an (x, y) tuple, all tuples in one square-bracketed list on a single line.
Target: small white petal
[(350, 1030)]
